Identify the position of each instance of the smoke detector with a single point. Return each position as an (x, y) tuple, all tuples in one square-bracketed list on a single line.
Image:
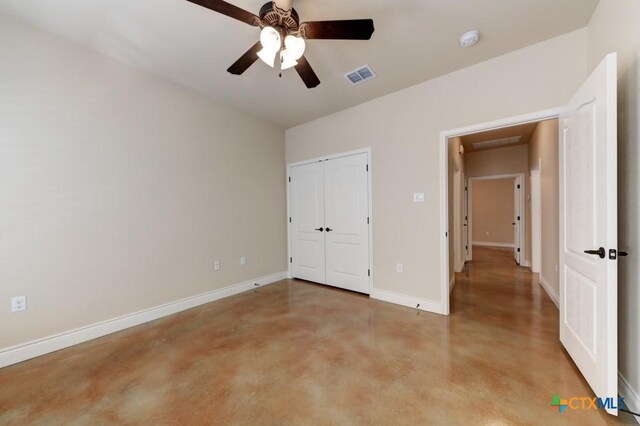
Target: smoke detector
[(470, 38)]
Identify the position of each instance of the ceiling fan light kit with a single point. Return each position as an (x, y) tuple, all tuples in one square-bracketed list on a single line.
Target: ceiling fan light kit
[(282, 32)]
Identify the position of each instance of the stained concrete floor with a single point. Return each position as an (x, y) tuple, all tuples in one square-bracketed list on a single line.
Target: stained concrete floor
[(296, 353)]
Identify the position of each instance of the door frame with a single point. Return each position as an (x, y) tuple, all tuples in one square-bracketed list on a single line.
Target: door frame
[(536, 216), (521, 203), (370, 204), (444, 186)]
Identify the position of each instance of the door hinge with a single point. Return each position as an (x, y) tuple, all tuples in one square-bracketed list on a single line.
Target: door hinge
[(367, 167), (518, 217), (518, 186), (465, 188), (466, 247), (446, 234), (289, 179), (518, 250), (289, 220), (291, 260), (367, 220), (368, 272)]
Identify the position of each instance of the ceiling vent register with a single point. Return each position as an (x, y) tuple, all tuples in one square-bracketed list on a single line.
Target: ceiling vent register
[(360, 75), (497, 142)]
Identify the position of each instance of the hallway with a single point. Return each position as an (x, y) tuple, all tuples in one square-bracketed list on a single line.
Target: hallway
[(518, 323), (300, 353)]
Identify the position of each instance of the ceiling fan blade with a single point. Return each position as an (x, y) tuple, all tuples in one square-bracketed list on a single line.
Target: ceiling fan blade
[(246, 60), (306, 73), (354, 29), (230, 10)]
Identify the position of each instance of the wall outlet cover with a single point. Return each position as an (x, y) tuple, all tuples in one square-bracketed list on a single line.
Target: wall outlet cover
[(216, 265)]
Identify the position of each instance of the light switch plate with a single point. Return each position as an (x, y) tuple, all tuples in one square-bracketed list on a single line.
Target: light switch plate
[(418, 197)]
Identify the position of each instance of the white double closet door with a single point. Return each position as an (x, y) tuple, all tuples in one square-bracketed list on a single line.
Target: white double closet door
[(329, 222)]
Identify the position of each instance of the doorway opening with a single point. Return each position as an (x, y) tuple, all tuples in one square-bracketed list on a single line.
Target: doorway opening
[(499, 153)]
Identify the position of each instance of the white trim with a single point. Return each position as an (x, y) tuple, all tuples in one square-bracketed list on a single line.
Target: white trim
[(492, 244), (525, 264), (444, 187), (35, 348), (409, 301), (370, 189), (552, 294), (452, 283), (631, 398)]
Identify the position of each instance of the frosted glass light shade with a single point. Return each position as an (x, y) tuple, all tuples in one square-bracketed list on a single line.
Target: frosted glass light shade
[(295, 46), (271, 43)]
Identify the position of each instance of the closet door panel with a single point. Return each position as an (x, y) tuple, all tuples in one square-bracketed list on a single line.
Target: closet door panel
[(347, 230), (307, 218)]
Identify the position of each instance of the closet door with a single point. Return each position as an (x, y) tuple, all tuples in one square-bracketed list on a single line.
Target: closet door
[(307, 222), (346, 227)]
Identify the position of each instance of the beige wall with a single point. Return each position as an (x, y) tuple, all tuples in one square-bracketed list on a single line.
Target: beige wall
[(493, 211), (543, 147), (118, 189), (614, 27), (403, 131), (504, 161)]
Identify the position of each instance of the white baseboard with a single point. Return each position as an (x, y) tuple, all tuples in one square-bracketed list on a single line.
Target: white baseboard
[(35, 348), (410, 301), (631, 398), (492, 244), (554, 297), (452, 283)]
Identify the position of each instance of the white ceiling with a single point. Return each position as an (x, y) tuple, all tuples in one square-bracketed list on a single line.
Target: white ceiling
[(415, 40)]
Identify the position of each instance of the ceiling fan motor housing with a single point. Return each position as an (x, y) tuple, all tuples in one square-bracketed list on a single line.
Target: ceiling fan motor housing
[(286, 21)]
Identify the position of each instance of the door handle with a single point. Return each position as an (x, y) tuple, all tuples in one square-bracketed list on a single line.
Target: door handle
[(329, 229), (623, 254), (320, 229), (600, 252)]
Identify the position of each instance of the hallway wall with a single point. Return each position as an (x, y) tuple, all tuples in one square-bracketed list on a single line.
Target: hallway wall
[(543, 145), (492, 211)]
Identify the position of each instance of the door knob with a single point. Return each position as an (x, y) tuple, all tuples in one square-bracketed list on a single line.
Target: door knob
[(600, 252), (320, 229), (329, 229)]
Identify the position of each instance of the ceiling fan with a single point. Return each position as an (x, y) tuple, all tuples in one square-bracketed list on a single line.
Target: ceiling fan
[(283, 33)]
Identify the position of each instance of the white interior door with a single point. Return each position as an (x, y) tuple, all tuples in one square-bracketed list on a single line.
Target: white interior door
[(347, 228), (306, 207), (517, 184), (588, 221)]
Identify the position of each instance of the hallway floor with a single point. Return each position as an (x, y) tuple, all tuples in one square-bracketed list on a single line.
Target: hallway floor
[(299, 353)]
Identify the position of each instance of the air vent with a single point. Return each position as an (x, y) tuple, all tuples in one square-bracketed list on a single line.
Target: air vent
[(497, 142), (360, 75)]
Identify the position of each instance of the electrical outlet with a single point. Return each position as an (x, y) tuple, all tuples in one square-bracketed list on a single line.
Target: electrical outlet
[(216, 265), (400, 268), (18, 303), (243, 261)]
